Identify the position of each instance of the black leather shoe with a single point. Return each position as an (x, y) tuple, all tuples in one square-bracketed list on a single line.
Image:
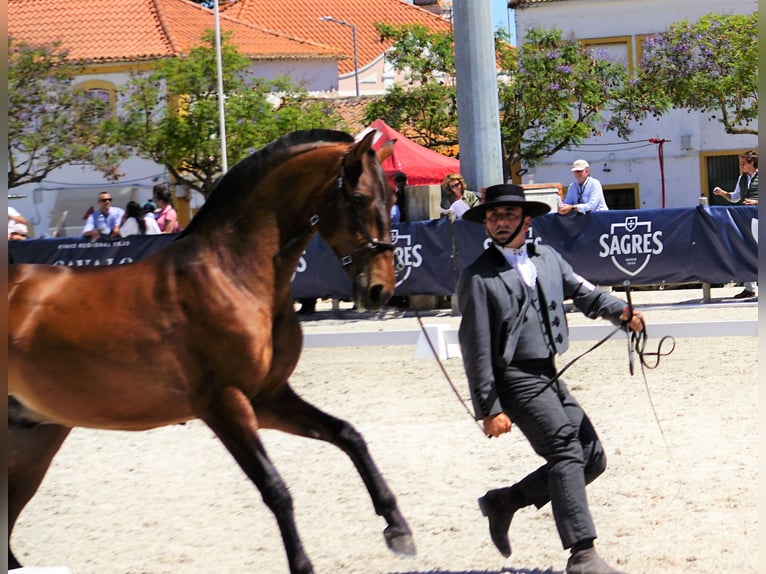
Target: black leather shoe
[(588, 561), (745, 294), (499, 506)]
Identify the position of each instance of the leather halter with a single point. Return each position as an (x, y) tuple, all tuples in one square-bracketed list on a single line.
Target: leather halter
[(370, 244)]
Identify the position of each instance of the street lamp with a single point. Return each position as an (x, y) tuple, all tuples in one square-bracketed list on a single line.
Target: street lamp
[(353, 33)]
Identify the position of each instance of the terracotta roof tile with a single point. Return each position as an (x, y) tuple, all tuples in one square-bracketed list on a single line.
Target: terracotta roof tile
[(124, 30), (301, 19)]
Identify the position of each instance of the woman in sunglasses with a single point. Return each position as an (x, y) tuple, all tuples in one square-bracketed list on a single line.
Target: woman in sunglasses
[(456, 198)]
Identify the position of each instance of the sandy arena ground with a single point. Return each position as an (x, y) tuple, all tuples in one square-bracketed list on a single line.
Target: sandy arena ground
[(679, 494)]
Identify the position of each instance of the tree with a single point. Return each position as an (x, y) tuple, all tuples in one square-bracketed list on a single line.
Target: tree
[(427, 104), (556, 94), (552, 94), (718, 58), (50, 122), (170, 115)]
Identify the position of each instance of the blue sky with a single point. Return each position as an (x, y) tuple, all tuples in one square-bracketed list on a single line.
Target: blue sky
[(500, 17)]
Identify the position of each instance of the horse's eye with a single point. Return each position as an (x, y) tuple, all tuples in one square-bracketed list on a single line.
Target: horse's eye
[(360, 201)]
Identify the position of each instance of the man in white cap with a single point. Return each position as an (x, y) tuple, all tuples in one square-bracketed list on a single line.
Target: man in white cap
[(585, 193)]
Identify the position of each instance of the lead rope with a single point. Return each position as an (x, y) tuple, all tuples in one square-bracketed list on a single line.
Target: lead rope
[(637, 345), (444, 371)]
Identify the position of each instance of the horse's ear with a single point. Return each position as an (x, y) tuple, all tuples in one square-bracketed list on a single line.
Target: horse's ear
[(385, 151), (360, 147)]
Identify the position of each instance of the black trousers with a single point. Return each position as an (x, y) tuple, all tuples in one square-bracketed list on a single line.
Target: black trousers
[(559, 431)]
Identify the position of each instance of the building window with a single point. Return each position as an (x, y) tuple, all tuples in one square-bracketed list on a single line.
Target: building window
[(617, 49), (621, 196), (100, 91)]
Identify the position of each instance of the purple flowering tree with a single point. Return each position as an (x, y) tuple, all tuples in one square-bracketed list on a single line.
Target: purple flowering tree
[(51, 123), (552, 92), (710, 66), (555, 95)]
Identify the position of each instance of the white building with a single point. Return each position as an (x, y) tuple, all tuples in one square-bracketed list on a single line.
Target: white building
[(698, 154)]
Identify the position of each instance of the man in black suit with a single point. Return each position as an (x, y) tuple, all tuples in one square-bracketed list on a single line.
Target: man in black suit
[(513, 324)]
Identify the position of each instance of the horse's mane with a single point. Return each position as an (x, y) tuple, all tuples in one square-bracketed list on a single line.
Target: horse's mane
[(245, 174)]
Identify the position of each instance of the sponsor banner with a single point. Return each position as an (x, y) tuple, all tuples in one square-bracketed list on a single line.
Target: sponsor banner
[(79, 252), (611, 247), (424, 262), (320, 274), (726, 247), (645, 247)]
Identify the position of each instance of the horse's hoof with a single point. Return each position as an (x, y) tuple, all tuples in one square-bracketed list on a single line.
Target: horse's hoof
[(400, 542)]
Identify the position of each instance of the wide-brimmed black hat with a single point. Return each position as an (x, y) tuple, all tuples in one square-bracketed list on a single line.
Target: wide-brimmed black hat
[(505, 194)]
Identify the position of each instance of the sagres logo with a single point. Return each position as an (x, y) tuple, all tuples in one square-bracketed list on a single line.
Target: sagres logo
[(406, 255), (631, 244)]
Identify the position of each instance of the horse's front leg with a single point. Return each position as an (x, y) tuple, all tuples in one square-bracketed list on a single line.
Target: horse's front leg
[(232, 419), (290, 413), (31, 448)]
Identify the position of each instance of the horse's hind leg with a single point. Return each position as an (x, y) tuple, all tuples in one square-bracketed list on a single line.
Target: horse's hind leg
[(30, 451), (232, 419), (290, 413)]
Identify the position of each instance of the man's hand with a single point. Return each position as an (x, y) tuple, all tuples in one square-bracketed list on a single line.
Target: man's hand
[(636, 322), (496, 425), (565, 208)]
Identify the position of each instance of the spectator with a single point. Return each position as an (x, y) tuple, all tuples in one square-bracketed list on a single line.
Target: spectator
[(585, 193), (17, 232), (17, 223), (396, 213), (513, 325), (745, 193), (456, 198), (746, 189), (105, 221), (149, 209), (167, 218), (400, 181), (136, 223)]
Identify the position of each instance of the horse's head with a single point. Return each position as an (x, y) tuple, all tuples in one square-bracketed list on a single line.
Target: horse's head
[(359, 231)]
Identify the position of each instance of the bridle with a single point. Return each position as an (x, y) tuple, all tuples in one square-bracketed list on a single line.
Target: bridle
[(370, 244)]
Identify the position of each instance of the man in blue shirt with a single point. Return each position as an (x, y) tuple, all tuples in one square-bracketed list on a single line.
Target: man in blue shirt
[(105, 221), (585, 193)]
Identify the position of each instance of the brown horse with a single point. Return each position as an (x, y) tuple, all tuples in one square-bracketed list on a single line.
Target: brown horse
[(210, 321)]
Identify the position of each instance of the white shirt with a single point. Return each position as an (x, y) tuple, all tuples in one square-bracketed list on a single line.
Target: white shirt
[(13, 225), (130, 227), (520, 261)]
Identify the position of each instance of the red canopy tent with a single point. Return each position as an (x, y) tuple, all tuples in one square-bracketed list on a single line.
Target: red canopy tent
[(421, 165)]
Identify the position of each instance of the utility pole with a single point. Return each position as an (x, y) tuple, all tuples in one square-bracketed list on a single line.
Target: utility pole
[(478, 111)]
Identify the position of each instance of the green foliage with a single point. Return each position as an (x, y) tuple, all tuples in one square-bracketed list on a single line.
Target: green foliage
[(710, 66), (50, 123), (427, 103), (171, 114), (551, 94), (555, 94)]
